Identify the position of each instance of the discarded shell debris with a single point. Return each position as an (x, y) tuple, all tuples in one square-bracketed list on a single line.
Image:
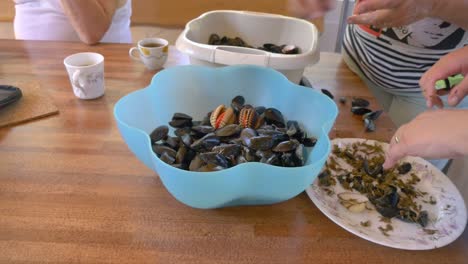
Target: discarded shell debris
[(357, 167)]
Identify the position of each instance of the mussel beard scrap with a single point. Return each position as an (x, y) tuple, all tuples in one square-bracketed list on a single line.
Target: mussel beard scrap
[(392, 192)]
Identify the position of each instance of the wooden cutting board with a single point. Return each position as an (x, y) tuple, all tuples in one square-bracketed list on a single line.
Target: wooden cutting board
[(34, 104)]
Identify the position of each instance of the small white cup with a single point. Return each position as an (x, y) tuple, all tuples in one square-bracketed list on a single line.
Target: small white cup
[(86, 72), (152, 52)]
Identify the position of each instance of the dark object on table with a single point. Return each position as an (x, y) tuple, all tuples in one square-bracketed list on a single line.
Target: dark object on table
[(305, 82), (360, 102), (357, 110), (9, 94), (328, 93), (343, 100)]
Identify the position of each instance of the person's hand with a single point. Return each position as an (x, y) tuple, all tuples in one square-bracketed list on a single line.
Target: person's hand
[(391, 13), (309, 9), (431, 135), (453, 63)]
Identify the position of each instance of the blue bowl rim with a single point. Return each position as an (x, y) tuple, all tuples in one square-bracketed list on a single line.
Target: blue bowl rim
[(249, 164)]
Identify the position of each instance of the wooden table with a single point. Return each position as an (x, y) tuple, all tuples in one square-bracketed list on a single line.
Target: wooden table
[(71, 191)]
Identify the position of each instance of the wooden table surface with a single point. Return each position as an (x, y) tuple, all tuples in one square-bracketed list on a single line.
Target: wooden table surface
[(71, 191)]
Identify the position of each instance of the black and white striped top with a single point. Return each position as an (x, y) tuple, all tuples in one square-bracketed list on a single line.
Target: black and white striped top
[(396, 58)]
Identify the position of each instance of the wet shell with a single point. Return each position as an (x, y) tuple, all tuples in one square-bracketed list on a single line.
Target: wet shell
[(247, 117), (160, 133), (222, 116), (214, 115), (360, 102)]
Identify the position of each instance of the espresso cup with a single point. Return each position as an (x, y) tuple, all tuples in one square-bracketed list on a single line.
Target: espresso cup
[(152, 52), (86, 72)]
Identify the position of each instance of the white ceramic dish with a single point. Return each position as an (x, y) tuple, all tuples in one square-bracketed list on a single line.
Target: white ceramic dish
[(255, 29), (447, 218)]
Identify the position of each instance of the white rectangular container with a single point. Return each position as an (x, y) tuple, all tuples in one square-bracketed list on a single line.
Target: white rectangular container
[(255, 29)]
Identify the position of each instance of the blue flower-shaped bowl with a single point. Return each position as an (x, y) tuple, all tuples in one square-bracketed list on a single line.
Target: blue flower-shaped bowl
[(196, 90)]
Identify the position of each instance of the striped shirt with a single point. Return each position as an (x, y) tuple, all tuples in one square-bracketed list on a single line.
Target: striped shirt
[(396, 58)]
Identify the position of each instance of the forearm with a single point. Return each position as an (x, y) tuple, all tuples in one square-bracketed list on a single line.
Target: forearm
[(90, 18), (453, 11), (460, 134)]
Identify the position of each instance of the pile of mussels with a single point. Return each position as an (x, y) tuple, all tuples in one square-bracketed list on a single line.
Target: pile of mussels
[(230, 135), (238, 42)]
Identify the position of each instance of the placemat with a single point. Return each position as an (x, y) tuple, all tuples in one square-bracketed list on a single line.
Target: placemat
[(34, 104)]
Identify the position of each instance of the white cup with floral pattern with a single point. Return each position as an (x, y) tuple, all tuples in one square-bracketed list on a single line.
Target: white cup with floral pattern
[(152, 52), (86, 72)]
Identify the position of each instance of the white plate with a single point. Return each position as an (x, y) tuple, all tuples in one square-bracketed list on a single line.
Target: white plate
[(448, 217)]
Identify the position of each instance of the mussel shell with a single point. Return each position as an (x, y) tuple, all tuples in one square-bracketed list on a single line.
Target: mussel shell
[(181, 116), (273, 160), (214, 158), (327, 93), (268, 132), (387, 212), (369, 125), (359, 102), (387, 204), (187, 159), (210, 168), (237, 103), (278, 138), (167, 158), (214, 39), (274, 116), (160, 133), (196, 163), (196, 123), (423, 218), (241, 159), (172, 142), (343, 100), (324, 178), (268, 46), (309, 141), (260, 110), (261, 142), (203, 129), (224, 40), (288, 160), (246, 135), (206, 120), (228, 150), (299, 154), (181, 153), (186, 139), (160, 149), (207, 142), (357, 110), (249, 154), (372, 115), (285, 146), (264, 153), (293, 127), (373, 172), (237, 42), (404, 168), (180, 123), (229, 130), (290, 49)]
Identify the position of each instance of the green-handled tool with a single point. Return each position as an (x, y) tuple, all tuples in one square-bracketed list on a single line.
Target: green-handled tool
[(449, 83)]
